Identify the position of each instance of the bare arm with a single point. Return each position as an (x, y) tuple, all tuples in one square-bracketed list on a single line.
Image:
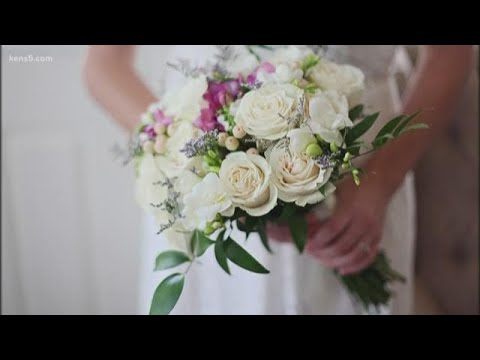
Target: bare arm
[(435, 87), (350, 240), (113, 82)]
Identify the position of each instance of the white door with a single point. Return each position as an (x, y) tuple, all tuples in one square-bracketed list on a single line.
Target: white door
[(71, 229)]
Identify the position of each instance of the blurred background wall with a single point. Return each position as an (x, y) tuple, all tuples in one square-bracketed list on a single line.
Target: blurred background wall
[(71, 231)]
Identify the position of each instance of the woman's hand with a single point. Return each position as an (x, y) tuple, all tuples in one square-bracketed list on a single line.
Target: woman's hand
[(349, 240)]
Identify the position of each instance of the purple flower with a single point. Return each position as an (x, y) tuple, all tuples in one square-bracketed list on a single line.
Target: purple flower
[(266, 66), (150, 132), (162, 118)]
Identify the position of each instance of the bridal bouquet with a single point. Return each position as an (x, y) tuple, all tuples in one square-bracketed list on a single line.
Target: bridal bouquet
[(246, 142)]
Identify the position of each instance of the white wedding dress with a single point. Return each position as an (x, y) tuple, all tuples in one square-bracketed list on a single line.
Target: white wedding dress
[(297, 284)]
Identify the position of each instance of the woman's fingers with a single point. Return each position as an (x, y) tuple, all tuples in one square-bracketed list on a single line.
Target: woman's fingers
[(361, 263), (280, 233), (329, 231)]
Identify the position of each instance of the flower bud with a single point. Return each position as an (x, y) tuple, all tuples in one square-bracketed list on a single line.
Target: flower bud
[(159, 128), (347, 157), (160, 144), (239, 132), (212, 154), (208, 230), (170, 130), (314, 150), (221, 138), (252, 151), (333, 147), (232, 143), (216, 225), (148, 147)]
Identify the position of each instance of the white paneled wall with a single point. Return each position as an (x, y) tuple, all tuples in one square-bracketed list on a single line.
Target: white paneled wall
[(71, 230)]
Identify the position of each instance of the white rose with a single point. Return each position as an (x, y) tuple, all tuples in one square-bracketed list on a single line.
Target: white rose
[(297, 176), (346, 79), (328, 115), (247, 181), (187, 102), (264, 112), (204, 202)]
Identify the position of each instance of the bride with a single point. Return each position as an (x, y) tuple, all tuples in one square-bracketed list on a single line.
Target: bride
[(380, 213)]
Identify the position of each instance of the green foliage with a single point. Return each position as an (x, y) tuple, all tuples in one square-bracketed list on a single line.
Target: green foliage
[(167, 294), (238, 255), (170, 259), (360, 128), (200, 243)]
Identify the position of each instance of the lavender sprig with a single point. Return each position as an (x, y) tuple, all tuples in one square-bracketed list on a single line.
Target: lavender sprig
[(199, 146)]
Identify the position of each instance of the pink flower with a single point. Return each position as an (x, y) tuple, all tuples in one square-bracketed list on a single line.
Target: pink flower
[(266, 66), (162, 118)]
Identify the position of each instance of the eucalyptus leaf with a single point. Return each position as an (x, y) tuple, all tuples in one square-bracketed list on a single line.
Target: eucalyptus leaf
[(390, 126), (170, 259), (238, 255), (262, 233), (298, 229), (167, 294), (414, 127), (404, 123), (361, 128), (287, 211), (200, 243), (355, 112), (220, 253), (382, 140)]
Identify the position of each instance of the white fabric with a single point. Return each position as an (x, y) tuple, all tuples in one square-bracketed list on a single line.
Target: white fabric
[(297, 284)]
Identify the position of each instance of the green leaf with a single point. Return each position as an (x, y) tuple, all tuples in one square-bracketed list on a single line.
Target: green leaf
[(220, 253), (382, 141), (242, 258), (404, 123), (361, 128), (414, 127), (170, 259), (390, 126), (167, 294), (262, 232), (298, 228), (355, 112), (200, 243), (287, 212)]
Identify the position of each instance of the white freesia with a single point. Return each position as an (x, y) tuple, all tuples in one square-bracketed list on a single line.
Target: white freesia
[(264, 113), (291, 55), (282, 74), (346, 79), (207, 199), (148, 191), (243, 62), (328, 115), (247, 181), (181, 133), (187, 102), (297, 176), (300, 138)]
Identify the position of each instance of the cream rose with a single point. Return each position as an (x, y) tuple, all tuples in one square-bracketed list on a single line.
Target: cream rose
[(328, 112), (246, 179), (264, 112), (297, 176), (346, 79)]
